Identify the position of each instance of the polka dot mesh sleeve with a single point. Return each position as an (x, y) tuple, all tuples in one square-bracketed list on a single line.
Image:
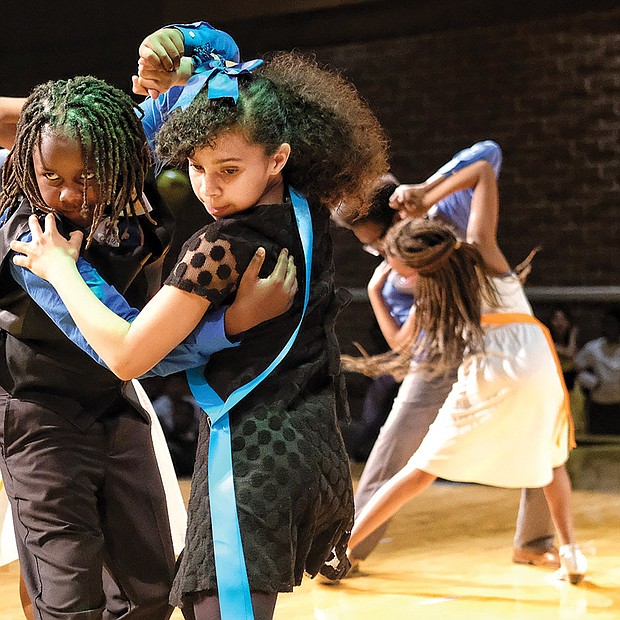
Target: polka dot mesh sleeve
[(208, 268)]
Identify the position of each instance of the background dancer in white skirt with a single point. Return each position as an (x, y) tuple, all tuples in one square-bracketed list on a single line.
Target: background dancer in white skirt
[(423, 392), (506, 421)]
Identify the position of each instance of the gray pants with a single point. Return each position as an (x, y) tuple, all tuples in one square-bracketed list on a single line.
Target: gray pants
[(415, 408)]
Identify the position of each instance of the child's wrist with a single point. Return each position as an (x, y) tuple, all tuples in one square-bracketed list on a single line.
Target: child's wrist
[(61, 270), (235, 320), (185, 71), (374, 290)]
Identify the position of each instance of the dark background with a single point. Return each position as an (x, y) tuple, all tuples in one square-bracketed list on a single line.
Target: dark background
[(540, 78)]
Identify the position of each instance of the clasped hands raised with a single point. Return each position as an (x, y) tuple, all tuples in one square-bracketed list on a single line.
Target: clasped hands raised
[(161, 64), (410, 199)]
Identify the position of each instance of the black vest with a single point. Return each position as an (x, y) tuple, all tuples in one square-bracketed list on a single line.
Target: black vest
[(38, 363)]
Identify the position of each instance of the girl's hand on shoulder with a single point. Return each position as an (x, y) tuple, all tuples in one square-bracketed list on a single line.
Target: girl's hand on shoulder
[(261, 299), (49, 254), (376, 283)]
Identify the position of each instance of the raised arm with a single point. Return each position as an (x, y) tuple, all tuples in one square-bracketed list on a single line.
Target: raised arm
[(185, 47), (162, 63), (483, 219), (171, 55), (10, 108), (453, 209), (394, 333)]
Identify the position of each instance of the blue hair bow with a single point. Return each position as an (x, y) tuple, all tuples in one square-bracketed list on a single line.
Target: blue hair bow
[(220, 76)]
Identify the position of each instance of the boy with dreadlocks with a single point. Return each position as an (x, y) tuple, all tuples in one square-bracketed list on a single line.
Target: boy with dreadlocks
[(506, 420), (271, 149), (96, 496)]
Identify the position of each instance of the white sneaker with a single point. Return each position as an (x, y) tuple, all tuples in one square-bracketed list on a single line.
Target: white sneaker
[(573, 563)]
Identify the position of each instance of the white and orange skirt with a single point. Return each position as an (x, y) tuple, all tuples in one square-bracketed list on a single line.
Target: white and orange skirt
[(506, 421)]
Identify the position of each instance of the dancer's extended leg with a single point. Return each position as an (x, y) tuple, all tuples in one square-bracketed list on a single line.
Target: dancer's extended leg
[(402, 487), (558, 494)]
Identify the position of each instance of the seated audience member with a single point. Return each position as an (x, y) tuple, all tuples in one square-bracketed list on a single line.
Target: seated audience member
[(598, 365)]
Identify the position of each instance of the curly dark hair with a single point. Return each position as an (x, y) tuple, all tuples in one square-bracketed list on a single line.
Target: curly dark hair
[(105, 122), (452, 282), (338, 147)]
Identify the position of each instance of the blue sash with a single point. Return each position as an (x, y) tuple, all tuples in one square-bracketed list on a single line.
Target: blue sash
[(232, 578)]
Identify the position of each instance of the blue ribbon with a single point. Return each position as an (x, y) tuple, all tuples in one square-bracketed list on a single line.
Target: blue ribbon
[(232, 578), (220, 76)]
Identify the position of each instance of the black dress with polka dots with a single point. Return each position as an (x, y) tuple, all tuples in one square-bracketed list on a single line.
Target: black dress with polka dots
[(291, 472)]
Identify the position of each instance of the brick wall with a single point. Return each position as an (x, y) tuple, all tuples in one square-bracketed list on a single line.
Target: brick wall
[(548, 91), (544, 84), (55, 40), (542, 79)]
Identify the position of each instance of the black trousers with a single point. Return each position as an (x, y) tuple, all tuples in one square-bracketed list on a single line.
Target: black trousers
[(82, 500)]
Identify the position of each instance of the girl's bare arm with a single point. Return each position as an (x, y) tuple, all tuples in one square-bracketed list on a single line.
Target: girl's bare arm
[(10, 108), (130, 349), (395, 335)]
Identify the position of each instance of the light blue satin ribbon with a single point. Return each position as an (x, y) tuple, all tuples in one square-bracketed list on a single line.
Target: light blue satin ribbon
[(232, 578), (220, 78)]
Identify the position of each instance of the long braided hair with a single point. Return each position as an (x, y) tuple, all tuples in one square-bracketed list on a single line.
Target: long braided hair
[(104, 121), (452, 282)]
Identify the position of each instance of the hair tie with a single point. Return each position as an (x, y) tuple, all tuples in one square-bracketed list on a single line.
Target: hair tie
[(457, 244)]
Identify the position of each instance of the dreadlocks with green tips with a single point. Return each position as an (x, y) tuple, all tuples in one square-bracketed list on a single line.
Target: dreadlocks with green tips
[(105, 122)]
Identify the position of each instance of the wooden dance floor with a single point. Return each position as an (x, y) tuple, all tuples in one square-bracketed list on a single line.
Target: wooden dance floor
[(447, 557)]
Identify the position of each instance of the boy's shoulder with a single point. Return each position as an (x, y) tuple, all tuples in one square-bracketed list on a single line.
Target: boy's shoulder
[(14, 220)]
